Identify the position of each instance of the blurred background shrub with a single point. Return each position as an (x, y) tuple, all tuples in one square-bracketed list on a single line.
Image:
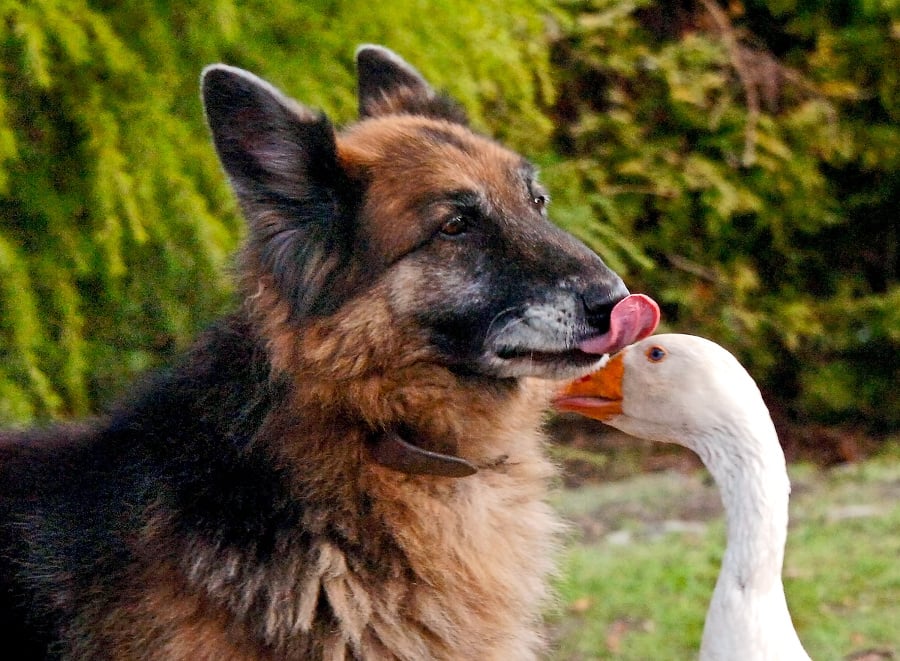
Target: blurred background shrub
[(738, 161)]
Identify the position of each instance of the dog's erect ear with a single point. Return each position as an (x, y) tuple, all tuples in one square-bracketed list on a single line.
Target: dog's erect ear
[(270, 145), (282, 161), (389, 85)]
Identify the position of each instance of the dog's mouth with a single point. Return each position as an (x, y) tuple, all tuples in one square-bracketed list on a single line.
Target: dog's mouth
[(547, 364), (632, 319), (564, 357)]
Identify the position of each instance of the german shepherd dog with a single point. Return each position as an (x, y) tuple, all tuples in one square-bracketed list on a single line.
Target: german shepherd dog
[(350, 465)]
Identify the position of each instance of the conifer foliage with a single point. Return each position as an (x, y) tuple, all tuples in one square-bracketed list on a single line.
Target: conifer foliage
[(738, 161), (116, 224)]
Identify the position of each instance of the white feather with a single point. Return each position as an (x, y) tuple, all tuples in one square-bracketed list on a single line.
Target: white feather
[(699, 396)]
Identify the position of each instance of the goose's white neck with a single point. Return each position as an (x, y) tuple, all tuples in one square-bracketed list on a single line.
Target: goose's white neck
[(748, 606)]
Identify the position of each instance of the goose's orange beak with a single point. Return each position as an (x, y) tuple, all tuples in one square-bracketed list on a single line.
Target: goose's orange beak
[(597, 395)]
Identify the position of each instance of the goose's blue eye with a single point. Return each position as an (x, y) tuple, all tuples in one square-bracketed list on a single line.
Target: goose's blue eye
[(656, 354)]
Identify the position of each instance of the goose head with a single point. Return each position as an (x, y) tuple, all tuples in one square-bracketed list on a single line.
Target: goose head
[(672, 388)]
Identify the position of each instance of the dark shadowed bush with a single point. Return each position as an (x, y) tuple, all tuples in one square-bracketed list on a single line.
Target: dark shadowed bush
[(741, 165)]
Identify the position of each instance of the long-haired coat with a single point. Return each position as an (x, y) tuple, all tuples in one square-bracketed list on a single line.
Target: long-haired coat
[(350, 465)]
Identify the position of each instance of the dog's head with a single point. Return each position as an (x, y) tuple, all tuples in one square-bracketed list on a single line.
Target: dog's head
[(445, 226)]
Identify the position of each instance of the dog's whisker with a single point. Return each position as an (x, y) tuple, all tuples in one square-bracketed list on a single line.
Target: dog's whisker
[(498, 316)]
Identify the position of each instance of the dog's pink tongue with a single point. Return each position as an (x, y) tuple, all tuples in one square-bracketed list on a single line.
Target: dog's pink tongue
[(632, 319)]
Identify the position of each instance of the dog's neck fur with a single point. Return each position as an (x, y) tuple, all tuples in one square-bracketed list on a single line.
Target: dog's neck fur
[(342, 367), (439, 555)]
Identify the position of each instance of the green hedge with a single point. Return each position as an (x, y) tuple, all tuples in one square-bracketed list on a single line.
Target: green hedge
[(116, 224), (739, 164)]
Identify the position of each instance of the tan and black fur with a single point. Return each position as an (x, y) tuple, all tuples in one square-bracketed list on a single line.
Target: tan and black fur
[(350, 465)]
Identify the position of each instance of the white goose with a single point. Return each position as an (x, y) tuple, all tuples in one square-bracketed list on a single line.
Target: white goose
[(690, 391)]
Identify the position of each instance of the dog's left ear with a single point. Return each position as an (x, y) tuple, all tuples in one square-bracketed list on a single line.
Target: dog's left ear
[(283, 165), (388, 85)]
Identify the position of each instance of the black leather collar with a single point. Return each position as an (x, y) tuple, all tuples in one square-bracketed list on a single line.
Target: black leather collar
[(389, 449)]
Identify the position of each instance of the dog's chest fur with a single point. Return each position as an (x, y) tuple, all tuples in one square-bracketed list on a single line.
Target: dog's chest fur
[(395, 566)]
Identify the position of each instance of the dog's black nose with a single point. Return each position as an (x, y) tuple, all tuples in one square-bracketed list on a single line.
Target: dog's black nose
[(598, 305)]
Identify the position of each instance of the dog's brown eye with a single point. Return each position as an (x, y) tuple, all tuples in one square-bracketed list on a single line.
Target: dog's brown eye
[(455, 226)]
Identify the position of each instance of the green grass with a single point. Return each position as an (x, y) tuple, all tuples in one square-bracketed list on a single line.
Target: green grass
[(644, 556)]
